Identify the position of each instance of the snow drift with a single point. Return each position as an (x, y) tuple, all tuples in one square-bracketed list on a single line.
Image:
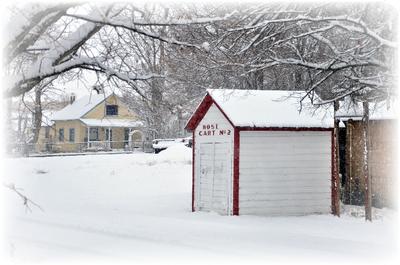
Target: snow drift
[(177, 153)]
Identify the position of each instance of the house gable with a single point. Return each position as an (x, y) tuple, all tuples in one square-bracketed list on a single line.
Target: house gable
[(98, 112), (214, 126)]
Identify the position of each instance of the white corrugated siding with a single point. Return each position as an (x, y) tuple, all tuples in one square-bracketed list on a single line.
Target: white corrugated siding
[(284, 172), (213, 164)]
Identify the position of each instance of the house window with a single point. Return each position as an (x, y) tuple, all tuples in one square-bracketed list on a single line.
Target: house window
[(72, 134), (47, 132), (111, 110), (61, 135), (94, 134)]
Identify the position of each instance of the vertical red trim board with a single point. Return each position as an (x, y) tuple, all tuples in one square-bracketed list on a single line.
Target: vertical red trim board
[(236, 148), (193, 168), (334, 176)]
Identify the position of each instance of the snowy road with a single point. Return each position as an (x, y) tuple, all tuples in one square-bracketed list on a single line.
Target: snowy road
[(136, 208)]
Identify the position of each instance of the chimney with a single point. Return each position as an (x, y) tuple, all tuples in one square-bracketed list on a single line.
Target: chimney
[(72, 98), (98, 89)]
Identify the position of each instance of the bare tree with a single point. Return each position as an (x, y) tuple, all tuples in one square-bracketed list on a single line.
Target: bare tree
[(334, 50), (97, 39), (72, 49)]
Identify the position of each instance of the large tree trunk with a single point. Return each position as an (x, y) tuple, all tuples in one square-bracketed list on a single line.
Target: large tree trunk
[(367, 179), (257, 80), (37, 114), (335, 164), (157, 114), (10, 136)]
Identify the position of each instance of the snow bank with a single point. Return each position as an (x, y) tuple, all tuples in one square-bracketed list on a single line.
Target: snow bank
[(117, 209), (178, 153)]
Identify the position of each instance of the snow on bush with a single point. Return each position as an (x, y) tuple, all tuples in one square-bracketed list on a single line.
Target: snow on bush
[(177, 153)]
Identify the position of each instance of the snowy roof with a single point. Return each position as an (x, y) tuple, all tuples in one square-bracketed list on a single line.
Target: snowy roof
[(269, 108), (106, 122), (378, 111), (79, 107)]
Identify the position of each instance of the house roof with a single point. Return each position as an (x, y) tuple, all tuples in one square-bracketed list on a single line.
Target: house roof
[(263, 108), (106, 122), (79, 107), (385, 110)]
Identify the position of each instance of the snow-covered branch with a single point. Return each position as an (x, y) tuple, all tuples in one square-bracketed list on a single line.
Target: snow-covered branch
[(32, 28), (65, 52), (133, 27), (25, 83), (50, 62), (26, 201), (344, 22), (154, 22), (340, 97), (280, 46), (315, 85), (331, 65)]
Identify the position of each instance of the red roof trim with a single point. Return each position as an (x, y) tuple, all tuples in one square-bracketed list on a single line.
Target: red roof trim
[(333, 209), (193, 170), (201, 111), (295, 129), (236, 174)]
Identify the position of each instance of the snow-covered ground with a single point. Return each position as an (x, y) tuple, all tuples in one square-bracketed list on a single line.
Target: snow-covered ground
[(136, 208)]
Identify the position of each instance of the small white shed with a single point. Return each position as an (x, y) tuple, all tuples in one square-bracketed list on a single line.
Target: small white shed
[(255, 153)]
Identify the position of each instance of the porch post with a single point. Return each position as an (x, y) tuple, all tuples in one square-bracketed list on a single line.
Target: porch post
[(109, 137), (130, 139), (88, 137)]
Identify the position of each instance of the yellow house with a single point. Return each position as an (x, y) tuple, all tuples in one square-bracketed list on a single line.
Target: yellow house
[(94, 122)]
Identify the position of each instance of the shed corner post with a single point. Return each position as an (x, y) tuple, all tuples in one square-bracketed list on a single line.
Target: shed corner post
[(193, 168), (336, 160), (335, 190), (236, 149)]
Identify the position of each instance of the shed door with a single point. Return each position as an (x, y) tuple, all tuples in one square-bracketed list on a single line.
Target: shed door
[(285, 173), (215, 175)]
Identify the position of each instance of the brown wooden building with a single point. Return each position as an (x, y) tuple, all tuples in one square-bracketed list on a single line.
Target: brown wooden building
[(382, 156)]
